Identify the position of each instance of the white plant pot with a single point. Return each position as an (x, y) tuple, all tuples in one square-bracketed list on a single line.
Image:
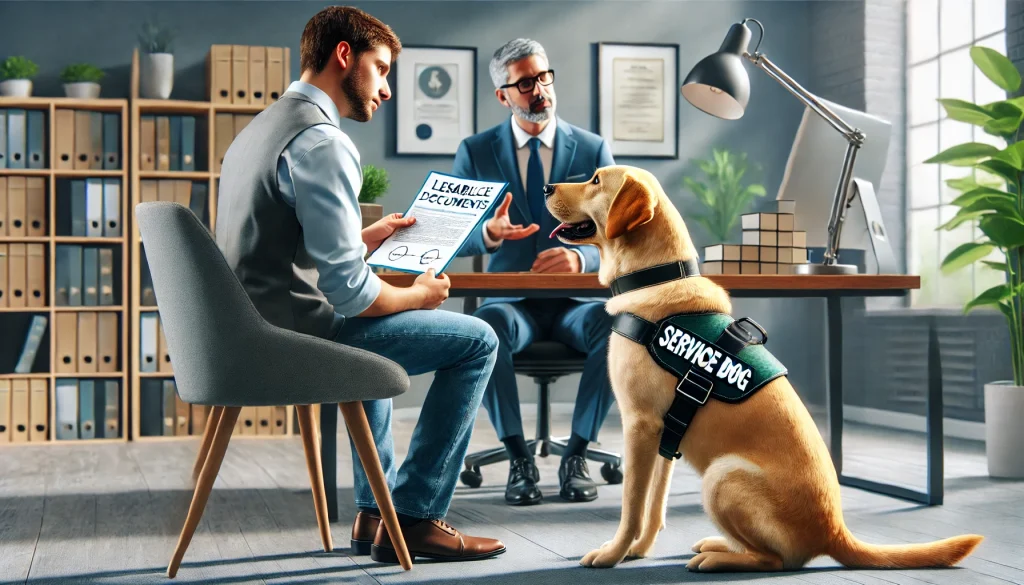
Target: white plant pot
[(86, 90), (1004, 432), (16, 88), (156, 73)]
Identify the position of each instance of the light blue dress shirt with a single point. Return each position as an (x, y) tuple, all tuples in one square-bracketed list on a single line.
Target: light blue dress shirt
[(319, 175)]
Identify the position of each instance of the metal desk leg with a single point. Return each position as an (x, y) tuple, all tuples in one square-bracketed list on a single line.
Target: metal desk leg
[(329, 456), (933, 495)]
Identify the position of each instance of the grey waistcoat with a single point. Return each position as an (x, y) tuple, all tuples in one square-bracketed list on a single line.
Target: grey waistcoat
[(259, 233)]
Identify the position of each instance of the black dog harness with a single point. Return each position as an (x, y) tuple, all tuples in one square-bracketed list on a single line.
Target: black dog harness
[(712, 354)]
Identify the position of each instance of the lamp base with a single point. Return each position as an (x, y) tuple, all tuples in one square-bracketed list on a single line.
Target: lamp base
[(826, 269)]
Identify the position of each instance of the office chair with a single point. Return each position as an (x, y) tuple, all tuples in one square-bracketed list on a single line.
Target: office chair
[(544, 361), (226, 355)]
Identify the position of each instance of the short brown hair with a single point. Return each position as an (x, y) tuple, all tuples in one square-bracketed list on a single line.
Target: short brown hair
[(335, 24)]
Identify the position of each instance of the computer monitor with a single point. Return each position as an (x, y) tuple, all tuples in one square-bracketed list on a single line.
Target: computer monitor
[(812, 174)]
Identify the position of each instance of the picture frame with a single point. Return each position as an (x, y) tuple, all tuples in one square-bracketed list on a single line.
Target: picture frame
[(626, 73), (435, 99)]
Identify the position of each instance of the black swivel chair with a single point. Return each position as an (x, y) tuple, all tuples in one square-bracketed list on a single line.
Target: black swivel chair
[(545, 362)]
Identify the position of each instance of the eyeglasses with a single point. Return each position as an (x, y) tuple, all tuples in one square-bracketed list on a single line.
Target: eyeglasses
[(525, 85)]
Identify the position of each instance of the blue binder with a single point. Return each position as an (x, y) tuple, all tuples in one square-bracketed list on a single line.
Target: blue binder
[(111, 142), (36, 140), (188, 143), (16, 138)]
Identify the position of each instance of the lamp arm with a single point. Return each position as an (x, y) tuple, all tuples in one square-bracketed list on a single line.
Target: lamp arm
[(844, 195)]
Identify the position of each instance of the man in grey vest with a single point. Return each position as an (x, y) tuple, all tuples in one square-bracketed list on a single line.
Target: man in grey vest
[(289, 225)]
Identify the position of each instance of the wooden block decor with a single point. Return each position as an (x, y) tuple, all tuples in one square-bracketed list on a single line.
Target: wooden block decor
[(770, 244)]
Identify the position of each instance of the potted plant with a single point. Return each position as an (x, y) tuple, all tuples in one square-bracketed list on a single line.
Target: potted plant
[(375, 184), (17, 73), (156, 67), (82, 80), (724, 194), (992, 199)]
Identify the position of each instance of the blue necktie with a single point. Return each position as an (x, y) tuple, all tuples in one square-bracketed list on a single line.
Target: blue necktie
[(535, 182)]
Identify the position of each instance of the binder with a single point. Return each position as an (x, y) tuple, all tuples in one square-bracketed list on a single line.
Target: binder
[(175, 143), (19, 411), (64, 142), (287, 67), (150, 190), (83, 139), (111, 208), (35, 207), (3, 206), (223, 134), (218, 63), (239, 74), (197, 202), (163, 143), (75, 276), (3, 275), (264, 420), (35, 139), (39, 410), (3, 165), (66, 332), (78, 208), (147, 142), (35, 275), (241, 121), (16, 206), (188, 143), (16, 138), (151, 408), (87, 409), (248, 416), (107, 342), (111, 410), (5, 409), (146, 292), (148, 341), (90, 277), (170, 408), (200, 414), (66, 409), (257, 75), (280, 420), (17, 274), (36, 330), (106, 277), (87, 321), (96, 140), (94, 207), (182, 192), (111, 141), (161, 349), (275, 73), (182, 416), (62, 270)]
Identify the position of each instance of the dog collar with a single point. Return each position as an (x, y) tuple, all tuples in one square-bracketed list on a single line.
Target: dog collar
[(655, 275)]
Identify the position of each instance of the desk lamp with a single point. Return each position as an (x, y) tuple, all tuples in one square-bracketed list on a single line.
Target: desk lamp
[(719, 85)]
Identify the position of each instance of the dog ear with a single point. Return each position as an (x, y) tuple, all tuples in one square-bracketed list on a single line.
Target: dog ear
[(632, 206)]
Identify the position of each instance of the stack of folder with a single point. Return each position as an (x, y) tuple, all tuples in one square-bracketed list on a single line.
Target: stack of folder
[(87, 140), (23, 207), (225, 128), (243, 74), (24, 410), (89, 208), (163, 414), (85, 276), (771, 244), (23, 275), (23, 143), (167, 142), (86, 342), (87, 409)]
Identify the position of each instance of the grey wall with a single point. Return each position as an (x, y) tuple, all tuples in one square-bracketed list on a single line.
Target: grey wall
[(815, 45)]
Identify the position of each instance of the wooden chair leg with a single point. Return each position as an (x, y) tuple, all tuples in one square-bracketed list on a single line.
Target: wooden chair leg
[(311, 445), (362, 438), (219, 446), (204, 447)]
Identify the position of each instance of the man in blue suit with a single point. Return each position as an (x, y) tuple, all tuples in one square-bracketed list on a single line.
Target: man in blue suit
[(532, 149)]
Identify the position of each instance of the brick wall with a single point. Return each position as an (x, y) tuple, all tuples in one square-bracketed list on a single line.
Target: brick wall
[(1015, 33)]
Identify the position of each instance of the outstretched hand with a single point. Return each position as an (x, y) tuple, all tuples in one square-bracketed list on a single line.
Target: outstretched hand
[(381, 229), (500, 227)]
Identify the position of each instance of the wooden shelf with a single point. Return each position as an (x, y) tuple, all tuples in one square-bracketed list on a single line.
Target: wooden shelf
[(49, 106)]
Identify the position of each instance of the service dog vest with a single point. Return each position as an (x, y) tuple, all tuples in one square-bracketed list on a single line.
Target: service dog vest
[(712, 354)]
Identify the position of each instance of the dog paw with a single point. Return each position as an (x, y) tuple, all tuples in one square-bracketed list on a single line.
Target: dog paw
[(711, 544), (608, 555), (640, 549)]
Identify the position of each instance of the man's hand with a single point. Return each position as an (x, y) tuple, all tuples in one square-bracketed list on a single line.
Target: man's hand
[(556, 260), (435, 290), (500, 227), (379, 230)]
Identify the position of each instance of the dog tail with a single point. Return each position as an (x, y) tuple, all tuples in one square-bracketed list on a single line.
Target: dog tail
[(856, 554)]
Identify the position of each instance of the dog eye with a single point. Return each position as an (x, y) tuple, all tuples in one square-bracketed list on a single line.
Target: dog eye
[(596, 179)]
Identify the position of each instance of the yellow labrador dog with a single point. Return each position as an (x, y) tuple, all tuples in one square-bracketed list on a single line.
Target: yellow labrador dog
[(768, 482)]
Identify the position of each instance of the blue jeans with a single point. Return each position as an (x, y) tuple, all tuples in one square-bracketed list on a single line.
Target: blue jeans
[(461, 350), (584, 326)]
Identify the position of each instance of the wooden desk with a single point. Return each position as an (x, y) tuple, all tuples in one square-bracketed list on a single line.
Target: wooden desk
[(831, 288)]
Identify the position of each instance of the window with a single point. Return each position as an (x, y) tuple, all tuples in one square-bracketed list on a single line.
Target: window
[(939, 37)]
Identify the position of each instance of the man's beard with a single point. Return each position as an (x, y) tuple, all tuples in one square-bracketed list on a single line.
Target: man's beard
[(535, 116), (358, 104)]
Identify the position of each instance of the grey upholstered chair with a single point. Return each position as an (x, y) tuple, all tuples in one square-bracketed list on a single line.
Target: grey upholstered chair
[(226, 355)]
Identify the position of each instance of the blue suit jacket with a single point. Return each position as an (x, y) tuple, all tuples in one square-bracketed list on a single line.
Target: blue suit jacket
[(491, 156)]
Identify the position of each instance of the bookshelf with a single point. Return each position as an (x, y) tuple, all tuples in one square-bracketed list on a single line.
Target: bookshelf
[(62, 217), (155, 179)]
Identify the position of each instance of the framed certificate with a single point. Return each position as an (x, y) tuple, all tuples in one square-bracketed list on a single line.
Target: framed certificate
[(638, 99), (435, 99)]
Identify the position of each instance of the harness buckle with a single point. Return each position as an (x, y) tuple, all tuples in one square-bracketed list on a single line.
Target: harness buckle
[(699, 383), (742, 336)]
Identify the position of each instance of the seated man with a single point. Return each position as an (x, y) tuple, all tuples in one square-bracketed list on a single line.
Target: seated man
[(289, 225), (530, 150)]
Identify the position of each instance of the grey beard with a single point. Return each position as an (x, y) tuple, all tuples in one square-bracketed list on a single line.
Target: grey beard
[(535, 117)]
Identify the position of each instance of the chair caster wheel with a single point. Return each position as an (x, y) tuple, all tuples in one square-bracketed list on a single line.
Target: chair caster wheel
[(472, 477), (611, 473)]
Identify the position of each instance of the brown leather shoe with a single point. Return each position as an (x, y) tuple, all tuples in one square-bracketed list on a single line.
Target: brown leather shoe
[(434, 539), (364, 529)]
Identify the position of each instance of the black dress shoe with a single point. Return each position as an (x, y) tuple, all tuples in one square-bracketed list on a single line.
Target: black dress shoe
[(574, 477), (522, 487)]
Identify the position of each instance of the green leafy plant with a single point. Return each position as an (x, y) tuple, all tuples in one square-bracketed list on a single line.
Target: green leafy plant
[(154, 38), (375, 184), (991, 196), (724, 194), (81, 72), (18, 68)]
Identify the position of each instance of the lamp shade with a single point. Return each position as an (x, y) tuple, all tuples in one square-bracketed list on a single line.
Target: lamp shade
[(719, 84)]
